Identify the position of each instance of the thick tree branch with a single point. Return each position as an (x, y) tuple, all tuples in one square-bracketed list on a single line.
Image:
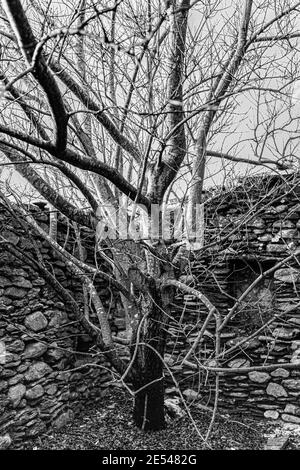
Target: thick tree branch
[(165, 171), (99, 114), (47, 191), (40, 71), (85, 163), (43, 134)]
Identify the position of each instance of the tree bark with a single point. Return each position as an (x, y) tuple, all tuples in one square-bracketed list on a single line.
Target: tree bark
[(148, 411)]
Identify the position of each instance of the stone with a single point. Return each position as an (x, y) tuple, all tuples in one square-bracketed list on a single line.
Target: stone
[(284, 304), (259, 377), (15, 292), (257, 223), (16, 346), (4, 282), (190, 394), (12, 329), (276, 390), (10, 236), (39, 282), (66, 395), (5, 302), (26, 415), (295, 359), (22, 283), (76, 376), (16, 393), (290, 427), (292, 409), (294, 395), (276, 248), (16, 379), (52, 389), (23, 367), (268, 406), (36, 321), (3, 385), (36, 428), (239, 378), (11, 358), (64, 376), (56, 318), (290, 418), (280, 372), (34, 350), (18, 272), (7, 373), (271, 414), (294, 321), (292, 384), (169, 359), (173, 408), (283, 224), (283, 333), (5, 442), (265, 238), (238, 395), (63, 419), (295, 345), (36, 371), (276, 238), (211, 363), (238, 363), (281, 208), (250, 344), (257, 393), (54, 355), (287, 275), (35, 392), (276, 443), (289, 233)]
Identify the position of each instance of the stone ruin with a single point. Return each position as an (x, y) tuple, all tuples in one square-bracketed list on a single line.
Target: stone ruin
[(248, 230), (47, 363), (43, 351)]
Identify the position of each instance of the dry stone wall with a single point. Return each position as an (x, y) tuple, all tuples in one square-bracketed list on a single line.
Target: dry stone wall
[(246, 232), (43, 351)]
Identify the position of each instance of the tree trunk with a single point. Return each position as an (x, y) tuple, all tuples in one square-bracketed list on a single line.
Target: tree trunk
[(148, 411)]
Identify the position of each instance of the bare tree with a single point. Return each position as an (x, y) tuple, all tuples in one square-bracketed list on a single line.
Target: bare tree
[(124, 106)]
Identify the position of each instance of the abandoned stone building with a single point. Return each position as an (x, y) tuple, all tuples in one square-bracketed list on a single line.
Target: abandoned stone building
[(47, 372)]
